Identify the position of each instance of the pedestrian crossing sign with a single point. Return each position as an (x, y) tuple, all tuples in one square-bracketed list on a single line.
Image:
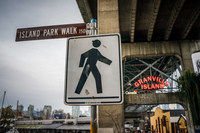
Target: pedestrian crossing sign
[(93, 70)]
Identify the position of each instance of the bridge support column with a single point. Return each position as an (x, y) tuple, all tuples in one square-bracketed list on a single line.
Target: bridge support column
[(108, 16), (186, 49), (190, 125), (110, 117)]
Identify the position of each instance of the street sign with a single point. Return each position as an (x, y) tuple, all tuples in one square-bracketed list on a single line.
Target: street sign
[(94, 70), (52, 32)]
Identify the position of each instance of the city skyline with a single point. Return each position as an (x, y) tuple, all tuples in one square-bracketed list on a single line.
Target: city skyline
[(69, 110)]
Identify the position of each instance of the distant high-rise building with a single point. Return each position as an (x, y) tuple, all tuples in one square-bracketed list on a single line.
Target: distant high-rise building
[(30, 111), (75, 111), (47, 112), (20, 110)]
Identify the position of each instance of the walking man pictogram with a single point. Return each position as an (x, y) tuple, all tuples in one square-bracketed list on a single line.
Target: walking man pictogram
[(93, 55)]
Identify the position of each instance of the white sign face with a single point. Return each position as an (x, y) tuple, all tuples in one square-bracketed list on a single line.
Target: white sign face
[(196, 62), (94, 70)]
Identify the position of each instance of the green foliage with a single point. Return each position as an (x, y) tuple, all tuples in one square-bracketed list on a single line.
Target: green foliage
[(189, 84), (6, 117)]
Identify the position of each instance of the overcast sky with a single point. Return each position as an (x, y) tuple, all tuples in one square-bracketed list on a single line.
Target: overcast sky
[(33, 71)]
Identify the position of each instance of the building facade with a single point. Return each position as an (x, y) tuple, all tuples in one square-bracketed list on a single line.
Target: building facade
[(30, 111), (75, 111), (20, 110), (161, 122), (47, 112)]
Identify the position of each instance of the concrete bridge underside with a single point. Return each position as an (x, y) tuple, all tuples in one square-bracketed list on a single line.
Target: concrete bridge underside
[(181, 49), (110, 21), (154, 98), (108, 115)]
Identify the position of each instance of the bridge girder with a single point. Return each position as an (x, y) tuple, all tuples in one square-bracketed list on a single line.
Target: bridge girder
[(154, 99)]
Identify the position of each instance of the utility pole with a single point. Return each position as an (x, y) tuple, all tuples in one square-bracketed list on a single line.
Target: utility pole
[(17, 109), (2, 103), (93, 107)]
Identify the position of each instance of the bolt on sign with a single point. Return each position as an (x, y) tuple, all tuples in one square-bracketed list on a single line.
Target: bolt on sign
[(52, 32), (160, 83)]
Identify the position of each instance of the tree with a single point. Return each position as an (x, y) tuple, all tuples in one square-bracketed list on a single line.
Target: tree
[(189, 84), (6, 116), (68, 116), (116, 119)]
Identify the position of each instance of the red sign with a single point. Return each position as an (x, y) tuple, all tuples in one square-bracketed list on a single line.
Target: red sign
[(159, 85), (51, 32)]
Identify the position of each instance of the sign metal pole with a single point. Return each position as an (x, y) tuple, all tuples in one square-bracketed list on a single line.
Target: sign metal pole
[(93, 107)]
